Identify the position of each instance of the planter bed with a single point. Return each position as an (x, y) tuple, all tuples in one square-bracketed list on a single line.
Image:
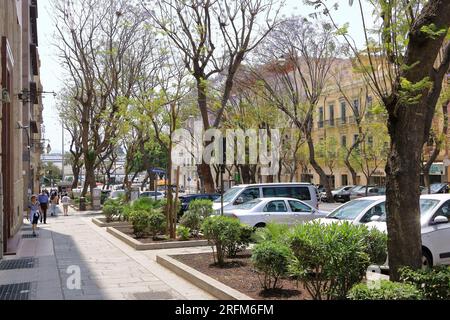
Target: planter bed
[(125, 233), (239, 274), (101, 222)]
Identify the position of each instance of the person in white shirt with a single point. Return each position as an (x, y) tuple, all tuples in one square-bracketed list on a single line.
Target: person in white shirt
[(65, 202)]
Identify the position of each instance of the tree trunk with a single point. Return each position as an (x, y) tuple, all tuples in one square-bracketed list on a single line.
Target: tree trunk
[(323, 176), (206, 177), (245, 173), (76, 176), (402, 193), (351, 170)]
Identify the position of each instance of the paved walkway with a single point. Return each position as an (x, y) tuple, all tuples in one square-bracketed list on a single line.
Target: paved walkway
[(107, 267)]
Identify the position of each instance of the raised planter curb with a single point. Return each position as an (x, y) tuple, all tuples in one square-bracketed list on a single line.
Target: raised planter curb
[(102, 224), (137, 245), (210, 285)]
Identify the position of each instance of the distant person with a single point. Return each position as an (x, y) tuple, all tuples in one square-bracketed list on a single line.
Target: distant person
[(53, 203), (43, 201), (34, 212), (65, 202)]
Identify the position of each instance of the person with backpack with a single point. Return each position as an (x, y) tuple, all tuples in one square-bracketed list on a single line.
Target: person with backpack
[(34, 212)]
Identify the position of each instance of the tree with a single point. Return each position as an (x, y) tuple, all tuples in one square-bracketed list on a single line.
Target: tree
[(405, 67), (213, 37), (298, 57), (104, 45)]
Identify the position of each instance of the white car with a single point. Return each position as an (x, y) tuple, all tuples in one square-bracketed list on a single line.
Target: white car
[(259, 212), (361, 210), (151, 195), (435, 226)]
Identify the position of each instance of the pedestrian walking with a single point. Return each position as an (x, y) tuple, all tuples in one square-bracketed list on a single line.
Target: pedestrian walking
[(34, 209), (43, 201), (53, 203), (65, 202)]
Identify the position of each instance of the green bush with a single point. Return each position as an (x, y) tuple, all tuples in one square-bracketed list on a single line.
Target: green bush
[(183, 233), (330, 258), (434, 283), (376, 242), (272, 232), (271, 259), (245, 237), (109, 212), (221, 232), (139, 220), (203, 207), (192, 220), (385, 290), (156, 223)]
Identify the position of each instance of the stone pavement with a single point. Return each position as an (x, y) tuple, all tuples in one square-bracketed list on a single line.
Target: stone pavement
[(75, 259)]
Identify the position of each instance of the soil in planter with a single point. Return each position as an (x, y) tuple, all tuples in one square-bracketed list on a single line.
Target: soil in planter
[(128, 230), (104, 220), (238, 273)]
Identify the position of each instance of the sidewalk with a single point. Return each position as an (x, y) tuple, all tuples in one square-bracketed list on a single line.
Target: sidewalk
[(108, 268)]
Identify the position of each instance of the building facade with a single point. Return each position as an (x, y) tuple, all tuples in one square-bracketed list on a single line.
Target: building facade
[(21, 114)]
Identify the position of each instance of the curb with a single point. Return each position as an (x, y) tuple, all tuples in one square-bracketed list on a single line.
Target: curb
[(137, 245), (102, 224), (210, 285)]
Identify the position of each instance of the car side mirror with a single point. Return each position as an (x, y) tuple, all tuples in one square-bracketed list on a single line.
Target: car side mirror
[(239, 200), (440, 220), (375, 218)]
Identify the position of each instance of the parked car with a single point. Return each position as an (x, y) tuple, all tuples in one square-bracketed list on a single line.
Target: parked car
[(341, 194), (186, 199), (240, 194), (258, 212), (151, 194), (437, 188), (435, 228), (371, 191), (115, 194), (357, 211)]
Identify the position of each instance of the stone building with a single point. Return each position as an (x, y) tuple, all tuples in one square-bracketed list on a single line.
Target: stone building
[(21, 115)]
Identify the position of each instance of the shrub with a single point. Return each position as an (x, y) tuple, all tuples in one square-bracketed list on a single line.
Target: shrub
[(139, 219), (221, 232), (203, 207), (434, 283), (192, 220), (271, 259), (386, 290), (109, 212), (156, 223), (330, 259), (245, 236), (376, 242), (272, 232), (183, 232)]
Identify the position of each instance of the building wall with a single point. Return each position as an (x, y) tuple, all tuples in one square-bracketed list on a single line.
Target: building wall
[(11, 29)]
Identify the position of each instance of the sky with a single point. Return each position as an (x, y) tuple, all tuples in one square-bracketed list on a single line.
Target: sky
[(52, 73)]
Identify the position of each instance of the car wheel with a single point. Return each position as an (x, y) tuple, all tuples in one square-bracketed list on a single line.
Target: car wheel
[(336, 199), (427, 260), (260, 225)]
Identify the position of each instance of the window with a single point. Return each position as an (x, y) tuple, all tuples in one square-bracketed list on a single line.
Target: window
[(301, 193), (344, 141), (331, 111), (356, 107), (370, 141), (297, 206), (377, 210), (444, 210), (320, 117), (249, 194), (343, 112), (344, 180), (275, 206)]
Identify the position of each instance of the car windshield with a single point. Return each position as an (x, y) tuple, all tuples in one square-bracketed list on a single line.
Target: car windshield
[(350, 210), (229, 194), (436, 187), (426, 205), (249, 204)]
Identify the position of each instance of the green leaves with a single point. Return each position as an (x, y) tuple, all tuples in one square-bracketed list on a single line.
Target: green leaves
[(432, 31), (411, 93)]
